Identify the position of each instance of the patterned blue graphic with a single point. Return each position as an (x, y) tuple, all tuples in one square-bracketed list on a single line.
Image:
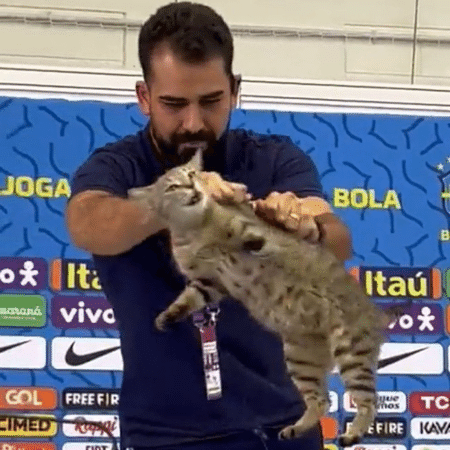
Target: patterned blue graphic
[(387, 177)]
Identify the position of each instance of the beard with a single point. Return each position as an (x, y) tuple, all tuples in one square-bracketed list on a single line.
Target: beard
[(180, 148)]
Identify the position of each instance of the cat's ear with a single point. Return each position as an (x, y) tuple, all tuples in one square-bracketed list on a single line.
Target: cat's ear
[(197, 160), (145, 193)]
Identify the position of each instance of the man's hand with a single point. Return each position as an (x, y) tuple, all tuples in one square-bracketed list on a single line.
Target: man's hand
[(286, 210), (223, 191)]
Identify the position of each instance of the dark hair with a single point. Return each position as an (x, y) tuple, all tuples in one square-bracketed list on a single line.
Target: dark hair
[(194, 32)]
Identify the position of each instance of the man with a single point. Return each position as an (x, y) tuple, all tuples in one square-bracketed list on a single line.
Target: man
[(189, 91)]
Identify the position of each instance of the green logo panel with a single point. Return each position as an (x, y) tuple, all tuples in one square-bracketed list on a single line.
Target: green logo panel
[(22, 310)]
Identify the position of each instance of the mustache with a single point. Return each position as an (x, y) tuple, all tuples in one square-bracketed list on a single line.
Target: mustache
[(193, 137)]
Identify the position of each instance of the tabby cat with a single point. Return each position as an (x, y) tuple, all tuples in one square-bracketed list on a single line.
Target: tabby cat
[(297, 289)]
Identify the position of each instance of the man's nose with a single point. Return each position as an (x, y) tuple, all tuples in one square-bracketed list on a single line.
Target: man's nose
[(193, 119)]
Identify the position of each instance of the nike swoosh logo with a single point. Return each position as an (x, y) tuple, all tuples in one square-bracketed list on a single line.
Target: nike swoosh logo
[(384, 362), (9, 347), (77, 360)]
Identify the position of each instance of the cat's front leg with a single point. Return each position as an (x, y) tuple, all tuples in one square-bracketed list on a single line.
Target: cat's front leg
[(190, 300), (194, 297)]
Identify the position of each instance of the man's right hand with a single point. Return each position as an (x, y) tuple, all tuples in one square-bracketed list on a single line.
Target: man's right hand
[(224, 191)]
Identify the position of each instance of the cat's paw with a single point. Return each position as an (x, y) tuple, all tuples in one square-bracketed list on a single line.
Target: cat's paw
[(161, 322), (348, 439), (290, 432)]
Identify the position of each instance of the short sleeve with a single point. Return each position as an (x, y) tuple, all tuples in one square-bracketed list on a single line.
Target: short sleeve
[(106, 171), (296, 172)]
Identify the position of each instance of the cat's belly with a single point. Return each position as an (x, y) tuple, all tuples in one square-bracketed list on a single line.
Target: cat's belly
[(271, 298)]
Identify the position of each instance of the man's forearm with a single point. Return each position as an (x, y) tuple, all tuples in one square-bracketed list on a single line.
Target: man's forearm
[(335, 235), (104, 224)]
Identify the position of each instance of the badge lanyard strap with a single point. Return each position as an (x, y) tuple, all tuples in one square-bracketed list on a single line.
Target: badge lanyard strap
[(206, 321)]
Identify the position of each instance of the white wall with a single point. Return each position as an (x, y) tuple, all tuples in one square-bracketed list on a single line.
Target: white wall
[(353, 40)]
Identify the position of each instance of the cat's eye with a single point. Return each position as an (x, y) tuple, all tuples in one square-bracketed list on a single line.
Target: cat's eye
[(171, 188)]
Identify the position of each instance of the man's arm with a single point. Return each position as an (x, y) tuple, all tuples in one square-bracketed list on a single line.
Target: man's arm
[(105, 224), (333, 233)]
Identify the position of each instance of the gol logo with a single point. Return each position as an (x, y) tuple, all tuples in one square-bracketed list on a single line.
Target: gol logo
[(27, 398), (329, 428), (27, 446)]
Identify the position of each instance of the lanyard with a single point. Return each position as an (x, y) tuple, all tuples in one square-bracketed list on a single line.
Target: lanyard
[(206, 321)]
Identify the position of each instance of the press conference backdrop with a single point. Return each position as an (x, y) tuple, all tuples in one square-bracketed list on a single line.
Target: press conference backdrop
[(386, 176)]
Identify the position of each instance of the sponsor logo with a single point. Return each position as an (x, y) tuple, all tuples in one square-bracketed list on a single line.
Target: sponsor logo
[(42, 187), (447, 320), (389, 427), (329, 428), (429, 447), (377, 447), (334, 402), (27, 398), (81, 398), (330, 447), (21, 352), (407, 358), (27, 446), (23, 273), (86, 353), (446, 280), (85, 446), (399, 282), (74, 275), (21, 310), (82, 312), (417, 319), (364, 198), (387, 402), (430, 403), (25, 426), (430, 428), (110, 422)]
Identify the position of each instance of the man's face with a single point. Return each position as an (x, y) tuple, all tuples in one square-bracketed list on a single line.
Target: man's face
[(187, 103)]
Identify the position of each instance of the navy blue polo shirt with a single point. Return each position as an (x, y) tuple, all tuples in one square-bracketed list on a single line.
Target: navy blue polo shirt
[(163, 399)]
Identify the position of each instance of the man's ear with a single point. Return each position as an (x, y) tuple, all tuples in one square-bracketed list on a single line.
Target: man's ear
[(143, 96), (237, 79)]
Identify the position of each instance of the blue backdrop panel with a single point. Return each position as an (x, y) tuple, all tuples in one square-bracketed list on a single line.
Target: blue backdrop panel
[(385, 176)]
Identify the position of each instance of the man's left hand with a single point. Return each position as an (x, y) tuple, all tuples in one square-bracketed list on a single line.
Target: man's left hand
[(286, 210)]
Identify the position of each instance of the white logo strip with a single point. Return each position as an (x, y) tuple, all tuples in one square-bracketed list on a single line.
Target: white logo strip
[(22, 352)]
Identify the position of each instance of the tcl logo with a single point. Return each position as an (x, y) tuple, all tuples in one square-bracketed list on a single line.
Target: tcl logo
[(27, 398), (430, 403)]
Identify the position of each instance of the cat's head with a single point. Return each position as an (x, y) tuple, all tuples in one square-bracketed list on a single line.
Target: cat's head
[(178, 195)]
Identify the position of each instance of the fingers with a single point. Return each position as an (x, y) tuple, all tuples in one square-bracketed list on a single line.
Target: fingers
[(286, 210), (224, 191)]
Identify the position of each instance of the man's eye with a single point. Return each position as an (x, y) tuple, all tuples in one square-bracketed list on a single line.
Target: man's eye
[(210, 102), (174, 105)]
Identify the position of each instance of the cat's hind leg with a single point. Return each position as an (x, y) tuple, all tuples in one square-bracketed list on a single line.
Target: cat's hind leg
[(356, 357), (308, 361)]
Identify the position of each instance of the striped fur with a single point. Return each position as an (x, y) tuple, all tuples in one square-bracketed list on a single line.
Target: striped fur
[(295, 288)]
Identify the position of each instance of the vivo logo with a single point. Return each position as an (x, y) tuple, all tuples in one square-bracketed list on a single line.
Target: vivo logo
[(82, 312)]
